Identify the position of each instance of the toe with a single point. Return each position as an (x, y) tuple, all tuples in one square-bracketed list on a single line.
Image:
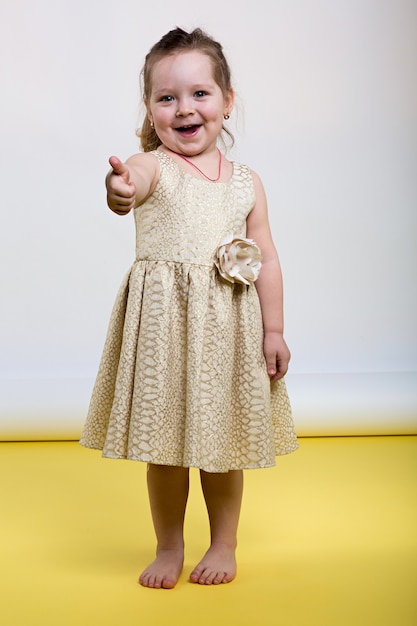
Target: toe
[(144, 581), (168, 583), (157, 582), (207, 577), (195, 575), (219, 578)]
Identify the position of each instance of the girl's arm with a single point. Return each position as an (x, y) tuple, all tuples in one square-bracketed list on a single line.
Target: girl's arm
[(269, 286), (130, 184)]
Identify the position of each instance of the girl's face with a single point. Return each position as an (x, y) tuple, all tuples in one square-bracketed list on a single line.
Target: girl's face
[(186, 104)]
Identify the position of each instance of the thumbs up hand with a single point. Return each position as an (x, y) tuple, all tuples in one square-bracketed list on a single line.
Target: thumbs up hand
[(121, 192)]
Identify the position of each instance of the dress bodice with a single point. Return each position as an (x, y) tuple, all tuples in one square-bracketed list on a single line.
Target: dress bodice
[(186, 218)]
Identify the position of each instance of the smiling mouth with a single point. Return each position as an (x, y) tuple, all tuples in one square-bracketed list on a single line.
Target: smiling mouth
[(188, 130)]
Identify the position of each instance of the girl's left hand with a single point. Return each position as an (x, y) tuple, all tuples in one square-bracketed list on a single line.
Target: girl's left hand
[(277, 355)]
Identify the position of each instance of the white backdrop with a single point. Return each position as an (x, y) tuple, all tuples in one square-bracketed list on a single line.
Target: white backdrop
[(327, 115)]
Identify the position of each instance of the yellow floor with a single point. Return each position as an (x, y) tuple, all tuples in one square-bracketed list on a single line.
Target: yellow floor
[(327, 538)]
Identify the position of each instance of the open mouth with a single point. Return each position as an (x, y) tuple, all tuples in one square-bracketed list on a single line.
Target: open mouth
[(188, 131)]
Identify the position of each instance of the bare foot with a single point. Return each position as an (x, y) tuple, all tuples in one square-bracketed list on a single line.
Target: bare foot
[(164, 571), (217, 566)]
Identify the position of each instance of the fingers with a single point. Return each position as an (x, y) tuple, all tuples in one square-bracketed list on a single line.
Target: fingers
[(277, 357), (277, 369), (282, 369), (271, 365)]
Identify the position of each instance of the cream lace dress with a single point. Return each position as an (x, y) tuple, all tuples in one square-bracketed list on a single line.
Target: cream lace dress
[(182, 379)]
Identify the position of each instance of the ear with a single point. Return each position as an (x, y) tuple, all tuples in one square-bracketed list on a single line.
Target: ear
[(229, 100)]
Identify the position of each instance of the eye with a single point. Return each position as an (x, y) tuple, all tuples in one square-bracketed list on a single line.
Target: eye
[(167, 98), (200, 93)]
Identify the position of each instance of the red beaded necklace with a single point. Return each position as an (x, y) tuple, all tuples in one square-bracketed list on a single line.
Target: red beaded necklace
[(213, 180)]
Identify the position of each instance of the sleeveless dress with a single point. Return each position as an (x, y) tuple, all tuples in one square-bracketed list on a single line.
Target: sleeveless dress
[(182, 379)]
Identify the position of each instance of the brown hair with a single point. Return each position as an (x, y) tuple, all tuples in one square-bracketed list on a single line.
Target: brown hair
[(178, 40)]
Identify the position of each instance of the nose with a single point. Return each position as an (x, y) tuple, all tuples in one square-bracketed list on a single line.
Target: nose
[(184, 109)]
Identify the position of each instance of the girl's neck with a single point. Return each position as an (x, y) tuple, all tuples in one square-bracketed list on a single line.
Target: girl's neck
[(190, 162)]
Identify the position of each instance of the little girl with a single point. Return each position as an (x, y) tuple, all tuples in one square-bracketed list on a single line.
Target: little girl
[(192, 369)]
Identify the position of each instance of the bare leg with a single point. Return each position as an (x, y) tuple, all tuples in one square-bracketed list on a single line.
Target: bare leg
[(168, 493), (223, 496)]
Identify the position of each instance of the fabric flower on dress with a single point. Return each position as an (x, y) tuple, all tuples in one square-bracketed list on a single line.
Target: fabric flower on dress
[(238, 260)]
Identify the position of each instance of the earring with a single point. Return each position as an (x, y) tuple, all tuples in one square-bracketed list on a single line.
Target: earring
[(151, 123), (226, 116)]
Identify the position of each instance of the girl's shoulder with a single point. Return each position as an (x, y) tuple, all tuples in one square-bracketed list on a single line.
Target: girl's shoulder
[(146, 172), (145, 160)]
